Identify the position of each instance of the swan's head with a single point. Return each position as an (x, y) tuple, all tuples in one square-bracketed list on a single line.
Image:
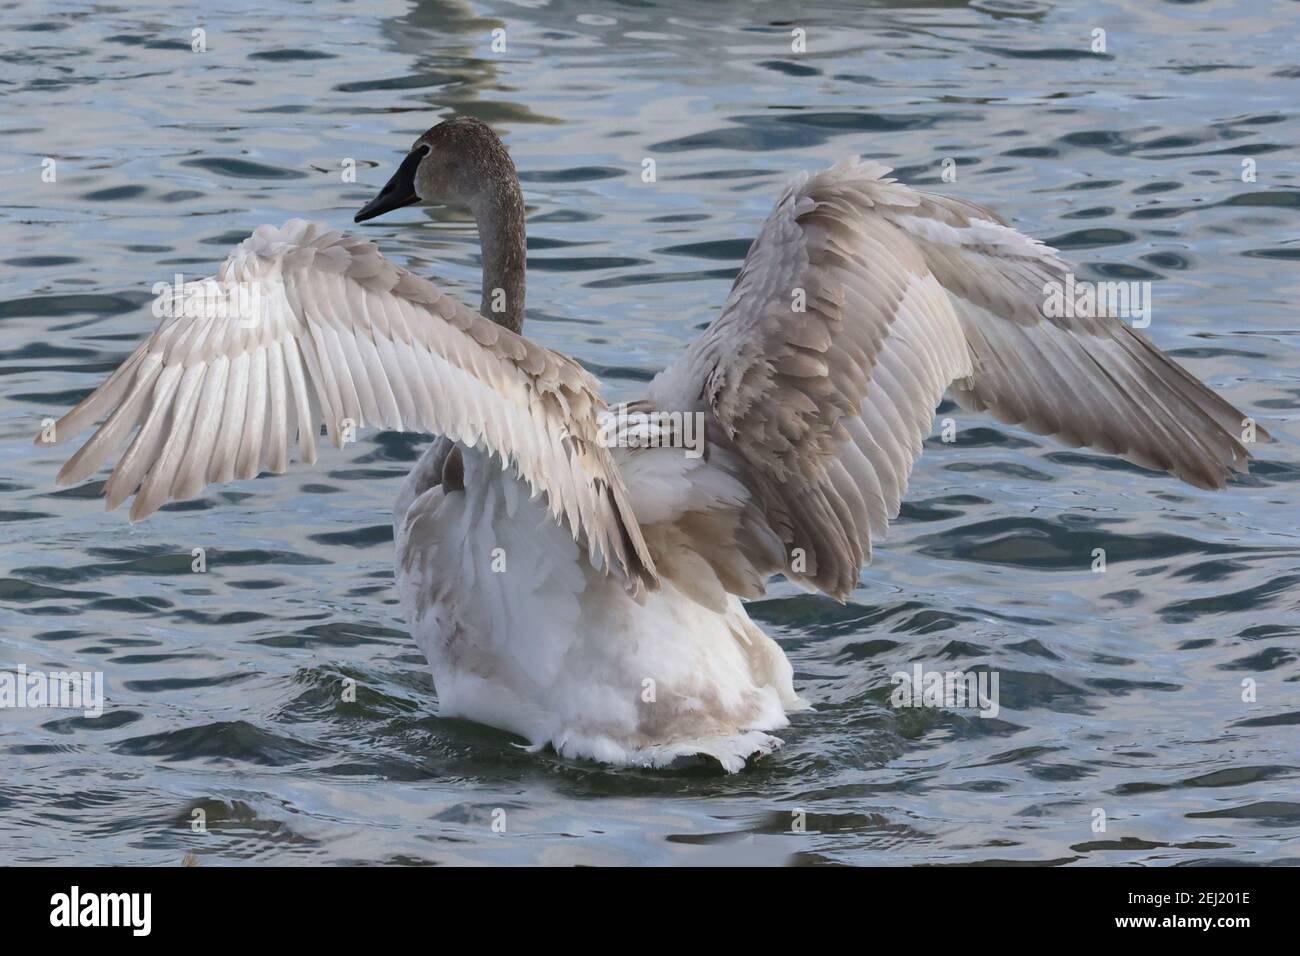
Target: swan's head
[(456, 163)]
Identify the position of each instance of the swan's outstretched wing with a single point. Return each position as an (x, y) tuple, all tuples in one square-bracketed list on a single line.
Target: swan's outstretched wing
[(1086, 380), (860, 302), (304, 326)]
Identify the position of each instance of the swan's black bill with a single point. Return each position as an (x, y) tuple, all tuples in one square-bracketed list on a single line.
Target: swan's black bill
[(399, 192)]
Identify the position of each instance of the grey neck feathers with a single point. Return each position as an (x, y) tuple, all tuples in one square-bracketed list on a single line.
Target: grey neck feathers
[(499, 212)]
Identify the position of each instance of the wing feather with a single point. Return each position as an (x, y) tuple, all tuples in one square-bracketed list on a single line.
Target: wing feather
[(192, 475), (826, 407), (148, 442), (249, 459), (225, 449), (317, 326), (1088, 380), (276, 456), (173, 437), (304, 417)]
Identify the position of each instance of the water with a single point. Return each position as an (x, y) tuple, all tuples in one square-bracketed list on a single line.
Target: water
[(1121, 692)]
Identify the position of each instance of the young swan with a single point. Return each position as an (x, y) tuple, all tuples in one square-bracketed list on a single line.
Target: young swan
[(579, 584)]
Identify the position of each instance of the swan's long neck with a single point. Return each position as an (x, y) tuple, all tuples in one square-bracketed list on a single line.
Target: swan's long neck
[(499, 212)]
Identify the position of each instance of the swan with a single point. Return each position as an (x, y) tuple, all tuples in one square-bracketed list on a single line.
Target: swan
[(574, 571)]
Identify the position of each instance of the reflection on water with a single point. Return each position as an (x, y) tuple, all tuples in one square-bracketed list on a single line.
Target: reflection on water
[(1120, 691)]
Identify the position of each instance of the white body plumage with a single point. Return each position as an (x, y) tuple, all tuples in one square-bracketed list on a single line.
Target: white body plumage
[(522, 633)]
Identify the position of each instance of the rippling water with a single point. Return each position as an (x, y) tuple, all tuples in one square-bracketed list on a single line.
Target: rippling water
[(1121, 692)]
